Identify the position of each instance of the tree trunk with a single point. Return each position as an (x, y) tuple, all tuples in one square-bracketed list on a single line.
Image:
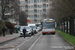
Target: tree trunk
[(60, 26), (3, 9), (71, 26), (64, 27), (74, 27), (67, 27)]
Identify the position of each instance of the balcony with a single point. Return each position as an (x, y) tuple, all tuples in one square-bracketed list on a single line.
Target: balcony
[(26, 11), (35, 1), (35, 16), (35, 11), (44, 1), (26, 0), (26, 7), (35, 6), (44, 6), (35, 21)]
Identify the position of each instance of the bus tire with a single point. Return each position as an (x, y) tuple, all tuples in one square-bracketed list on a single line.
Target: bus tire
[(43, 34), (53, 33)]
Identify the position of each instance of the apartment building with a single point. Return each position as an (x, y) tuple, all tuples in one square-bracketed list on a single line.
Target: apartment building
[(36, 9), (22, 5)]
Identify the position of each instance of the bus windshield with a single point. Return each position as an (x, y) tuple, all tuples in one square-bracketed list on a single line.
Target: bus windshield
[(33, 27), (48, 24)]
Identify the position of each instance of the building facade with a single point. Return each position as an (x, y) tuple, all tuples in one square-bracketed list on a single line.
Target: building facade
[(22, 5), (36, 9)]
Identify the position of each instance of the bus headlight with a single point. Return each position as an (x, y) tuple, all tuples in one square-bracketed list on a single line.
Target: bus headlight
[(53, 29), (42, 29)]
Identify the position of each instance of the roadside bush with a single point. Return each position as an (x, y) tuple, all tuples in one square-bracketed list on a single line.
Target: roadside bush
[(2, 24), (9, 25)]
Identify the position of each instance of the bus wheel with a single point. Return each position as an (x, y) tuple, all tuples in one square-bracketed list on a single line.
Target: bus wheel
[(43, 34), (53, 33)]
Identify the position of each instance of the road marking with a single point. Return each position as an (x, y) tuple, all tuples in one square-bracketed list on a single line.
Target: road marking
[(23, 42), (34, 43), (14, 49)]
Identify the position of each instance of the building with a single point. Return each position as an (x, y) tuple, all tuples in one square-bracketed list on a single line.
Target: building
[(36, 9), (22, 5)]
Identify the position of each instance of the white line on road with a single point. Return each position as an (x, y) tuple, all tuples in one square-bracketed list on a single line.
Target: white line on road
[(23, 42), (34, 43)]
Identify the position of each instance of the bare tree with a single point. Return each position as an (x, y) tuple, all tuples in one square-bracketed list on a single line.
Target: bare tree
[(23, 18), (63, 10)]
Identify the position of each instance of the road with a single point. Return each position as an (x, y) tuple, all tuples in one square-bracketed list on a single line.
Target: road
[(38, 42)]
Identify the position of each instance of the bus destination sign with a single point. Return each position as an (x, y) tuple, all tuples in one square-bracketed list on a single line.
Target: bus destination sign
[(48, 21)]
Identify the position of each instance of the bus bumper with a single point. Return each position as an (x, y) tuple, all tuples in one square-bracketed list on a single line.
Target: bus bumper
[(48, 32)]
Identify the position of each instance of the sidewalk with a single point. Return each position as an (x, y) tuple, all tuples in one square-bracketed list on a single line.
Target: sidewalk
[(9, 37)]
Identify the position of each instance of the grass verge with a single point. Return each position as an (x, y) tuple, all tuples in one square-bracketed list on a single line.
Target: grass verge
[(69, 38)]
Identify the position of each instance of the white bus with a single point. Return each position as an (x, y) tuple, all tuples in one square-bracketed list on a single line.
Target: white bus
[(48, 26)]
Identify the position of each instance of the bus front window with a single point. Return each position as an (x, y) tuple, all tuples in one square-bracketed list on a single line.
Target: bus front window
[(48, 25)]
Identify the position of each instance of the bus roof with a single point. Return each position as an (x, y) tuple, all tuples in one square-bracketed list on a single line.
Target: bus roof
[(48, 19)]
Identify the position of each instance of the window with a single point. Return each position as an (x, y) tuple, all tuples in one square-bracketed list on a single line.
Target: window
[(29, 6), (38, 1), (35, 1), (47, 0), (47, 10), (44, 0), (41, 11), (38, 21), (47, 5), (32, 16), (32, 6), (38, 16), (29, 1), (35, 6), (29, 16), (29, 11), (38, 11)]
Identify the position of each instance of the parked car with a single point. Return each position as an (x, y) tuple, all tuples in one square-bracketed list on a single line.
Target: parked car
[(33, 26), (28, 30), (38, 28), (17, 26)]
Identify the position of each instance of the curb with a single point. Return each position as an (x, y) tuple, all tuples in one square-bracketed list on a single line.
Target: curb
[(67, 41), (10, 40)]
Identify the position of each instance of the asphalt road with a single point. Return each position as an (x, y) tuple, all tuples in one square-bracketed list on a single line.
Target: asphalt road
[(38, 42), (50, 42)]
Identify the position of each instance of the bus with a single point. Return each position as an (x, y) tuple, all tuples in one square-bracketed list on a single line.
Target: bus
[(48, 26)]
